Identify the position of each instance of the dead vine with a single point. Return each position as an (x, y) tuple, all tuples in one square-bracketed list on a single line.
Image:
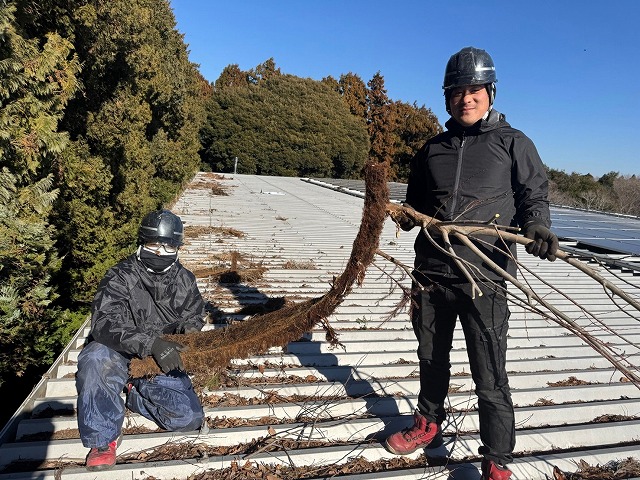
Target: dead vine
[(210, 352)]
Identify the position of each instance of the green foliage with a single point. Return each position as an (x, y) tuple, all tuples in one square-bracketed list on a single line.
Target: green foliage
[(262, 72), (573, 184), (283, 125), (413, 127), (80, 171), (85, 220), (354, 92), (37, 79), (134, 130), (231, 77), (27, 262), (380, 121), (608, 179)]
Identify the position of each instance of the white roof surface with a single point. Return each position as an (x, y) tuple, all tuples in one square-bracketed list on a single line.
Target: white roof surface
[(303, 233)]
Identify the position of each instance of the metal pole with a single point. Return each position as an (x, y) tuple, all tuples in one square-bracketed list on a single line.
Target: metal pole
[(235, 166)]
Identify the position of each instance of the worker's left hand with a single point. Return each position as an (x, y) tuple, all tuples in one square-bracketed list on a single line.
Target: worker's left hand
[(545, 243), (189, 329), (167, 354)]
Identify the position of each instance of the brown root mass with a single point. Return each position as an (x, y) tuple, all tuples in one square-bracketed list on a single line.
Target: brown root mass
[(210, 352)]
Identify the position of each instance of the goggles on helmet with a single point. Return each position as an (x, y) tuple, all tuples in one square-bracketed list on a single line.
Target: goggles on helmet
[(161, 248)]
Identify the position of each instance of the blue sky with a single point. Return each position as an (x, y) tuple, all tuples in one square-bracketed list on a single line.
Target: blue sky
[(568, 71)]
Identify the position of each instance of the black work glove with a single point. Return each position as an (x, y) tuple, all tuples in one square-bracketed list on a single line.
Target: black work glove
[(404, 221), (167, 355), (545, 243)]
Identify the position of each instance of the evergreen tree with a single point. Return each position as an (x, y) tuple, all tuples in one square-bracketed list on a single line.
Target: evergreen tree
[(283, 125), (231, 77), (404, 127), (264, 71), (28, 260), (354, 92), (36, 82), (136, 125), (37, 78), (413, 127), (380, 121)]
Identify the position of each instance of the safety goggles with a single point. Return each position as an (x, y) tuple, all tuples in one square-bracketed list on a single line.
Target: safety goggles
[(161, 248)]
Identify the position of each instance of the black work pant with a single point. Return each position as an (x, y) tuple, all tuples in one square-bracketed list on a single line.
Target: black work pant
[(484, 322)]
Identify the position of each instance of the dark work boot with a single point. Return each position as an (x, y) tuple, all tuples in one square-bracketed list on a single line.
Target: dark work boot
[(423, 433), (493, 471)]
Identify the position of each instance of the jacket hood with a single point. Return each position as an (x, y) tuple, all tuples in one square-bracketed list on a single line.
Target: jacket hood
[(494, 120)]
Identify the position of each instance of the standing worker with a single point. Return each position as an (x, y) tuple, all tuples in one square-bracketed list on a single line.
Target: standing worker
[(484, 170), (143, 297)]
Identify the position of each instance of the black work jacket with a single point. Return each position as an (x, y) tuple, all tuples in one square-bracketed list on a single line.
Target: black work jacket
[(133, 307), (474, 174)]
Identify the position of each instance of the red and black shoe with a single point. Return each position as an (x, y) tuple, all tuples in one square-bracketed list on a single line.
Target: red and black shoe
[(102, 458), (423, 433), (493, 471)]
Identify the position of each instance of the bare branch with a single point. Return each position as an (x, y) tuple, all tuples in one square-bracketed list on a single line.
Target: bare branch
[(434, 224), (466, 232)]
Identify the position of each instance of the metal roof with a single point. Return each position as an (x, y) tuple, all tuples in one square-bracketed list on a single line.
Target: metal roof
[(591, 230), (302, 232)]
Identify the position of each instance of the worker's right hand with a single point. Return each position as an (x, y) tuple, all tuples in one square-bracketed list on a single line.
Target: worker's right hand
[(404, 221), (167, 355)]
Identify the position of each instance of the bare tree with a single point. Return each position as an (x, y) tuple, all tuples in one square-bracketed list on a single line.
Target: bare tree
[(596, 200), (627, 188)]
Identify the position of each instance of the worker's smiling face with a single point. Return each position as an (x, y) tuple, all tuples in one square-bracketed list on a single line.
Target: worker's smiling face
[(468, 104)]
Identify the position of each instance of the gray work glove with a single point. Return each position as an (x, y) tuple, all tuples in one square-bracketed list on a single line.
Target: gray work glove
[(190, 329), (167, 355), (545, 243)]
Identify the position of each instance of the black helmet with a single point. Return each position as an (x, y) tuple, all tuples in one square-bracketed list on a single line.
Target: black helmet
[(470, 66), (161, 226)]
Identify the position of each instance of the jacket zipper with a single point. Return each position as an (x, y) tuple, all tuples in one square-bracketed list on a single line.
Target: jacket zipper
[(456, 184)]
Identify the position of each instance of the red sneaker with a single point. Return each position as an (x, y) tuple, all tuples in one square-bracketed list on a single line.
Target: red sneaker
[(102, 458), (493, 471), (423, 433)]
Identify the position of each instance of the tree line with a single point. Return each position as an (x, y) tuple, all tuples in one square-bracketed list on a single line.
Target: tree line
[(612, 192), (103, 118), (279, 124)]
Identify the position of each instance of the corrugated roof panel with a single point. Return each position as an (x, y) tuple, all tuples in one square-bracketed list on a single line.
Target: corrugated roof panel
[(351, 398), (592, 229)]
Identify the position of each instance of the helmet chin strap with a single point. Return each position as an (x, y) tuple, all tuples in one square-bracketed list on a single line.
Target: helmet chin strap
[(491, 90)]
